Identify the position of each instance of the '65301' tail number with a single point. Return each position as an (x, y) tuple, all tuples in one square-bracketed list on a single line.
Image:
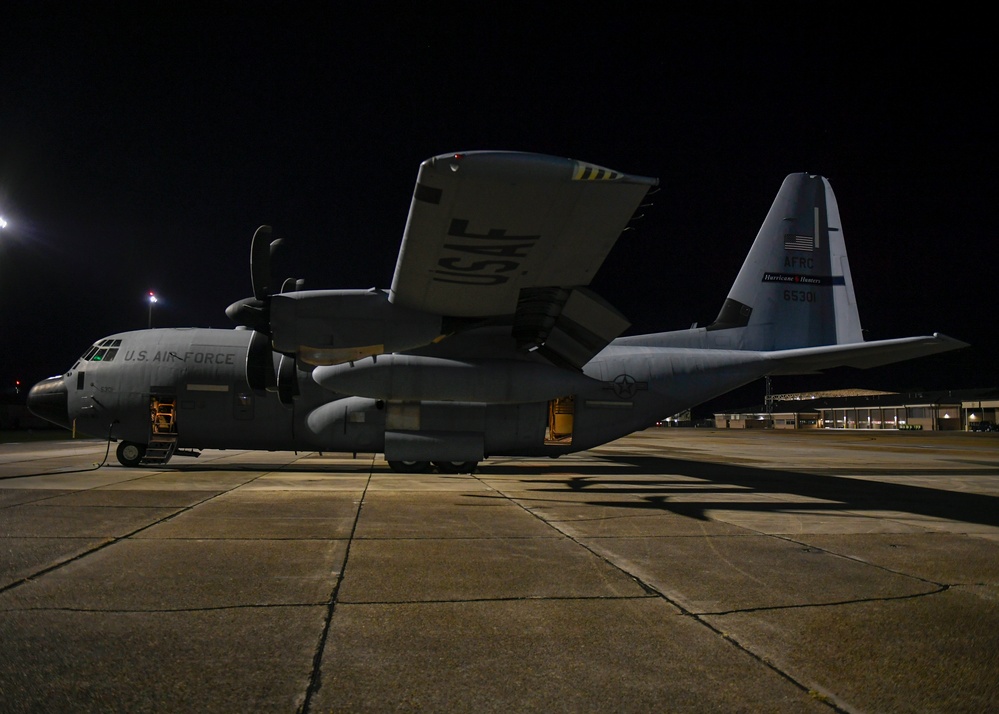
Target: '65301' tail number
[(800, 296)]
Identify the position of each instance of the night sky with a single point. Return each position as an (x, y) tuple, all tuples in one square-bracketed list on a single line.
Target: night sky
[(140, 150)]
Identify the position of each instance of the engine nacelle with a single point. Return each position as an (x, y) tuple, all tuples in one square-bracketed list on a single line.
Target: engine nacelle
[(325, 327)]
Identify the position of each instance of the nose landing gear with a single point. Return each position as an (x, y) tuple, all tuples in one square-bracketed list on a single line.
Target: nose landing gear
[(130, 453), (162, 435)]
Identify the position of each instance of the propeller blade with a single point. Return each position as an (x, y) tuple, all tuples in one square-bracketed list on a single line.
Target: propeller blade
[(261, 250), (255, 313), (260, 374), (287, 382)]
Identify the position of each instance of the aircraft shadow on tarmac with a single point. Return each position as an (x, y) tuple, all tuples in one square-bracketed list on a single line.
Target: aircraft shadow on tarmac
[(829, 491), (832, 493)]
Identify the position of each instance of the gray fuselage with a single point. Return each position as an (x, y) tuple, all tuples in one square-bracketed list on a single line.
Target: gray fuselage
[(623, 389)]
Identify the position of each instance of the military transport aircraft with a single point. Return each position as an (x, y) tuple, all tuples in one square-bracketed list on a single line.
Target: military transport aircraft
[(488, 342)]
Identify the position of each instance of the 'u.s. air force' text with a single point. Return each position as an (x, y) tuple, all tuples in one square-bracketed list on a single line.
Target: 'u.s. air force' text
[(206, 357)]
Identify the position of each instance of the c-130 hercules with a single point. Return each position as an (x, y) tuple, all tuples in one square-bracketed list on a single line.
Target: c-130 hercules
[(488, 342)]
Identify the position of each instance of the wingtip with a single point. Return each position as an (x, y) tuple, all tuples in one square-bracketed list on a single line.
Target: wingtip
[(952, 341)]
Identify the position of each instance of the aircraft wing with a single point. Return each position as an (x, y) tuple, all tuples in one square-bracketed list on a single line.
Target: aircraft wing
[(486, 224), (862, 355), (495, 233)]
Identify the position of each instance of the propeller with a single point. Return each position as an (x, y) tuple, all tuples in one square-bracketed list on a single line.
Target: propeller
[(255, 314), (262, 249)]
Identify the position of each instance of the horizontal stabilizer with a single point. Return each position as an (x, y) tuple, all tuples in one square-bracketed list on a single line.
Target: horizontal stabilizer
[(862, 355)]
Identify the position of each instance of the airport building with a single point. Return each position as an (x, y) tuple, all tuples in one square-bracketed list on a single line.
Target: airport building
[(945, 410)]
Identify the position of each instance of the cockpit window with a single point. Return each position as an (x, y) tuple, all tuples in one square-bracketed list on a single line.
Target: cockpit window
[(103, 351)]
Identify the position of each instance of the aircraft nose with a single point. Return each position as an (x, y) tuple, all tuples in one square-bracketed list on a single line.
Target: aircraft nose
[(49, 400)]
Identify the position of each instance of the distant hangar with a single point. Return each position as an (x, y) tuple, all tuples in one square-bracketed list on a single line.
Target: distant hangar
[(944, 410)]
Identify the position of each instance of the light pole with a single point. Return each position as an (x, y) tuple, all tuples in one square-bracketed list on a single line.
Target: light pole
[(152, 299)]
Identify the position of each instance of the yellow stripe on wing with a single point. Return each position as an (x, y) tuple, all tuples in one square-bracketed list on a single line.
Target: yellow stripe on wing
[(592, 172)]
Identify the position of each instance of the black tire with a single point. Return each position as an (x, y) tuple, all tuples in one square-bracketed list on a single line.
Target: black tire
[(410, 467), (456, 467), (129, 453)]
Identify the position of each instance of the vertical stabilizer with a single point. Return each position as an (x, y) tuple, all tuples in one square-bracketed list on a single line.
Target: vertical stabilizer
[(795, 289)]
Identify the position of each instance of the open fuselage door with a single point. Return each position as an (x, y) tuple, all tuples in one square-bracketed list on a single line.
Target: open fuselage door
[(162, 428), (561, 416)]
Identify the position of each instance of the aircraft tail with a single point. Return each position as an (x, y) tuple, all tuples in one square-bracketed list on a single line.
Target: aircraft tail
[(794, 289), (793, 301)]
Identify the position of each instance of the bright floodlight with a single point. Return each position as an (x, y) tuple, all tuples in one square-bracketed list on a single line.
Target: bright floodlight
[(152, 299), (3, 223)]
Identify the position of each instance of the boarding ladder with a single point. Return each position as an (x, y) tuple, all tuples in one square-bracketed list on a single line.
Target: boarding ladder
[(163, 438)]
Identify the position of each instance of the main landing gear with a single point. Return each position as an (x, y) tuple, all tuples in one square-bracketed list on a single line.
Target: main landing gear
[(444, 467)]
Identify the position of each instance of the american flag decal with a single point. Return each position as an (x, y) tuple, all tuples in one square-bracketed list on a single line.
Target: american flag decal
[(796, 242)]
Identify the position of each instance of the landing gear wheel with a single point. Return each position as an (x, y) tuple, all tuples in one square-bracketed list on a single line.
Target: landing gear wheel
[(130, 453), (410, 467), (456, 467)]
